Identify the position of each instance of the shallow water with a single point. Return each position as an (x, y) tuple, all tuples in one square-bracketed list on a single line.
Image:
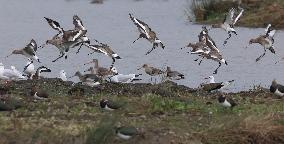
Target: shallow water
[(110, 23)]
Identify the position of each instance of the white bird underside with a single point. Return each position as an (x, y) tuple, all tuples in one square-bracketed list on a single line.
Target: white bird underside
[(121, 78)]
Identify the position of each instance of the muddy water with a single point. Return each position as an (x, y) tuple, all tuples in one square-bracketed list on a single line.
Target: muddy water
[(109, 23)]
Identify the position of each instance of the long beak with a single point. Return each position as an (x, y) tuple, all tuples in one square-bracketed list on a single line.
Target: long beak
[(72, 76), (9, 55), (140, 68), (206, 78), (89, 62)]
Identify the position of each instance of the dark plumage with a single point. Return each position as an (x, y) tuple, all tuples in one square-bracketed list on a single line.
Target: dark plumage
[(109, 105), (276, 88), (226, 102)]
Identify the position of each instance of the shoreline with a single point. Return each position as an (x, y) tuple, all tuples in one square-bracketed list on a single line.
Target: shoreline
[(163, 113)]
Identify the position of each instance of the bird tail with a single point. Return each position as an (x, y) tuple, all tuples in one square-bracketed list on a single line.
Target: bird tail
[(272, 50)]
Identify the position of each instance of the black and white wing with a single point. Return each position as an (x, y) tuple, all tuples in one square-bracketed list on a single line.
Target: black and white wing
[(270, 32), (238, 17), (32, 45), (143, 27), (78, 23), (54, 24), (73, 35), (229, 16), (211, 44)]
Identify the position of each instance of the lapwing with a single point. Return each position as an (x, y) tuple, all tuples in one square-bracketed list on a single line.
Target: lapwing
[(126, 132), (277, 89)]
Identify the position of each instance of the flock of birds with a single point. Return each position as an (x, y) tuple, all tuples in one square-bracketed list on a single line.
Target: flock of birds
[(63, 40)]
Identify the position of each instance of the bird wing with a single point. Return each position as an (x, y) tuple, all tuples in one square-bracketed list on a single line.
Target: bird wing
[(78, 23), (54, 24), (238, 17), (125, 78), (270, 32), (73, 35), (97, 48), (32, 45), (229, 16), (211, 44), (30, 50), (93, 77), (143, 27)]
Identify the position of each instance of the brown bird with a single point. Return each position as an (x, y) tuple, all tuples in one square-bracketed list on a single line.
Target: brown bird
[(266, 41), (38, 93), (147, 33), (151, 70)]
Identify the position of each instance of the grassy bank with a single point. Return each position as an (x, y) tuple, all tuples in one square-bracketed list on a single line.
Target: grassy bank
[(165, 113), (257, 13)]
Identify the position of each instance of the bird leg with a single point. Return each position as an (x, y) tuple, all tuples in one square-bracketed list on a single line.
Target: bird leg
[(59, 57), (215, 72), (137, 39), (200, 62), (151, 49), (81, 44), (113, 61), (225, 42), (25, 68), (261, 56)]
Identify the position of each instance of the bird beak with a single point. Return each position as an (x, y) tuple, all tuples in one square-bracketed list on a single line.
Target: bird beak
[(140, 68), (71, 76), (9, 55), (226, 63), (206, 78), (89, 62)]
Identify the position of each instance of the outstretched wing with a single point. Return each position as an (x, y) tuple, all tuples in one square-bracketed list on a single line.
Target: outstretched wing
[(78, 23), (32, 45), (143, 27), (229, 16), (211, 44), (238, 17), (54, 24), (73, 35), (270, 32)]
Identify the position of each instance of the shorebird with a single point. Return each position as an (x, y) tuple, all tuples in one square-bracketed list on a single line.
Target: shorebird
[(173, 75), (88, 79), (29, 51), (10, 74), (226, 102), (214, 53), (276, 88), (109, 105), (122, 78), (147, 33), (198, 48), (40, 70), (266, 41), (151, 70), (229, 22), (65, 40), (38, 94), (29, 69), (215, 86), (126, 132), (101, 72), (224, 84), (79, 26), (211, 79), (62, 75), (104, 49)]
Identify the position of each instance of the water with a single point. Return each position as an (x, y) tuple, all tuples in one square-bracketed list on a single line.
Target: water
[(110, 23)]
